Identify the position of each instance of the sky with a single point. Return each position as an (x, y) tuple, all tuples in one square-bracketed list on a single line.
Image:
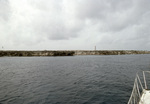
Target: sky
[(74, 24)]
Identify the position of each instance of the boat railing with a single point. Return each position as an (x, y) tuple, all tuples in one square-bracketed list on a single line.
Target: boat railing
[(140, 84)]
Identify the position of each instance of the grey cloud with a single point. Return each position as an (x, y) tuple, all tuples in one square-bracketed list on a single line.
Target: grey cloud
[(48, 20), (113, 15), (4, 10), (111, 24), (99, 9), (56, 30), (120, 21)]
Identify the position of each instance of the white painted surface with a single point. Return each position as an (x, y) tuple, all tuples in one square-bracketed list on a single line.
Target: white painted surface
[(145, 98)]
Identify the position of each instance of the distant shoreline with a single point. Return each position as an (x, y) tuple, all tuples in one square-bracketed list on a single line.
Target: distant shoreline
[(69, 52)]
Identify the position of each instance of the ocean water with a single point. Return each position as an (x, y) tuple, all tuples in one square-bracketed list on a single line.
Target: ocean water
[(69, 80)]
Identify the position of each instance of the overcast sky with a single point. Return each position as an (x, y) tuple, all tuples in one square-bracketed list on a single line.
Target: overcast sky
[(74, 24)]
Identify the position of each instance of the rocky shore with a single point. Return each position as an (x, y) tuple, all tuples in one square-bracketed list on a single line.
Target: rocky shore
[(70, 52)]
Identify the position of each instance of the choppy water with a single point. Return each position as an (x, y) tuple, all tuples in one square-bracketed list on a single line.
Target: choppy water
[(69, 80)]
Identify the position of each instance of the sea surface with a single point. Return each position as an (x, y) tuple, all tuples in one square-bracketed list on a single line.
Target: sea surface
[(69, 80)]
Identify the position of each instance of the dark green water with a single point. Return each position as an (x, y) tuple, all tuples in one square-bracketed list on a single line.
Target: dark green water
[(69, 80)]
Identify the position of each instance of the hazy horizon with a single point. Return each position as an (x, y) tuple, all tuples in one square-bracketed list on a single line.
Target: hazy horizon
[(69, 50)]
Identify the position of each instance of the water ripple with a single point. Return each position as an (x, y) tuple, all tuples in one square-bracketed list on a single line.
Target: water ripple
[(69, 80)]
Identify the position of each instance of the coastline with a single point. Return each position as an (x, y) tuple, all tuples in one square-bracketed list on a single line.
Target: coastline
[(12, 53)]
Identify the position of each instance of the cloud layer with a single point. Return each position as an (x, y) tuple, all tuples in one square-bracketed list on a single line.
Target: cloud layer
[(75, 24)]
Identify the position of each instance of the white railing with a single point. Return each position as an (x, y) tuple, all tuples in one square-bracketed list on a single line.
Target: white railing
[(140, 84)]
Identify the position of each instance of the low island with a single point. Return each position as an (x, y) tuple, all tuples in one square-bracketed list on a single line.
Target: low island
[(70, 52)]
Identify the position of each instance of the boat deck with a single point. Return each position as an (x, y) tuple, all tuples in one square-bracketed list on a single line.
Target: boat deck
[(145, 98), (141, 89)]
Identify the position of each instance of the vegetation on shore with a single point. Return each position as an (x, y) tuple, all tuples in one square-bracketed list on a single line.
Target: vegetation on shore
[(70, 53), (36, 53)]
